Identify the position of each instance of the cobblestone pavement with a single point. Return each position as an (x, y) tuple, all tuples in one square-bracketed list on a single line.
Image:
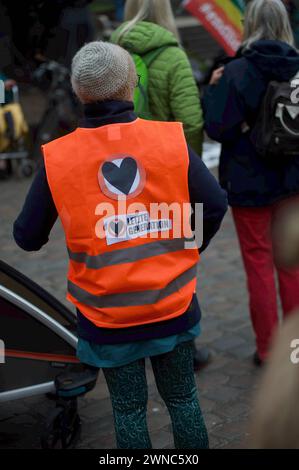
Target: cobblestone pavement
[(225, 386)]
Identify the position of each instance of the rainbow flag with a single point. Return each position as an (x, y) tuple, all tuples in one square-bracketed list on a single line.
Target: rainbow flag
[(222, 18)]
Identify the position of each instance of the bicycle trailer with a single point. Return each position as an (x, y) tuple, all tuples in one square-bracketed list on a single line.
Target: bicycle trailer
[(38, 338)]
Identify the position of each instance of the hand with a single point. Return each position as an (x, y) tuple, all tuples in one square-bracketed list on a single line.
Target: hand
[(217, 74), (9, 84), (39, 57)]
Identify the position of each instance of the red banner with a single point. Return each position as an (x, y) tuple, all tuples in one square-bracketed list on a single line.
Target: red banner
[(217, 22)]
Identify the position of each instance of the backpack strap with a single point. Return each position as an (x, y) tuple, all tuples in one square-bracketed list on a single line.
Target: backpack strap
[(151, 56), (142, 103)]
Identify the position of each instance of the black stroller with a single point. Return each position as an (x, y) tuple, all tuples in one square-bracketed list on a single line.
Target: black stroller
[(38, 339)]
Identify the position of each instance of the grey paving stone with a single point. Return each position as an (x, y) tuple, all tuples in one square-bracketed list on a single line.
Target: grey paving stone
[(232, 411), (243, 382), (158, 420), (228, 343), (210, 381), (162, 439), (212, 420), (233, 430), (222, 394)]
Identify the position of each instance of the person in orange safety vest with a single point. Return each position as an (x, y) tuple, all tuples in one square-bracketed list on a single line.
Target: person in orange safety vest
[(122, 188)]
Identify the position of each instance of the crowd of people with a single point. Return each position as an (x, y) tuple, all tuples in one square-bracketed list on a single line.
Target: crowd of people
[(135, 296)]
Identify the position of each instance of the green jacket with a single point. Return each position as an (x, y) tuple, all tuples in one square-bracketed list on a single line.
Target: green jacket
[(173, 94)]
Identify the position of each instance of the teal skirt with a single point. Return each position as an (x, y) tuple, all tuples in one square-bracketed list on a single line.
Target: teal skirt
[(117, 355)]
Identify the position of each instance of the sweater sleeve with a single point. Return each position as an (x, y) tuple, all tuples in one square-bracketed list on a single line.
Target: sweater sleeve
[(185, 101), (204, 188), (224, 110), (32, 227)]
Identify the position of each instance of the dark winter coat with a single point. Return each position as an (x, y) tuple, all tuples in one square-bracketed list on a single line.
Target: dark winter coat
[(236, 99)]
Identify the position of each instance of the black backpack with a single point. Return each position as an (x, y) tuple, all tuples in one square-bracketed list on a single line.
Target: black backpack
[(276, 131)]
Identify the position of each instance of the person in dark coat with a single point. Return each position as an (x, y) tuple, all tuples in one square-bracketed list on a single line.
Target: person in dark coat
[(256, 188), (67, 26)]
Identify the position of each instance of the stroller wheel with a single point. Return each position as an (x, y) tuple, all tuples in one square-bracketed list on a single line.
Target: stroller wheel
[(63, 427), (26, 168)]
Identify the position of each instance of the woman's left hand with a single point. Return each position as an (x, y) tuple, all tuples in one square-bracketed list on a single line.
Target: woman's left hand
[(217, 74)]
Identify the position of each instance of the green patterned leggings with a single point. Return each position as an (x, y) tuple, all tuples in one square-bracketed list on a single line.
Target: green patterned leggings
[(176, 384)]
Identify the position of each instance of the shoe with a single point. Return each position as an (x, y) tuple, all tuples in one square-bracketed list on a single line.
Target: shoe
[(202, 357), (257, 361)]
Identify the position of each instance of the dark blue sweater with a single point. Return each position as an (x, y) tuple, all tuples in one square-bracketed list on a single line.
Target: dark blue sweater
[(236, 99), (33, 225)]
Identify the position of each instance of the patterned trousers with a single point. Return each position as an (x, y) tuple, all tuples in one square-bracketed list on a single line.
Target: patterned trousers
[(176, 384)]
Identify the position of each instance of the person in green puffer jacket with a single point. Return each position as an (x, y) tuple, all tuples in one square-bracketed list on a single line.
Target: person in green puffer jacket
[(172, 91)]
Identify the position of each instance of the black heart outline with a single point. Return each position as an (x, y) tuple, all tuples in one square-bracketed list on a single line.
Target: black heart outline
[(103, 184), (123, 177)]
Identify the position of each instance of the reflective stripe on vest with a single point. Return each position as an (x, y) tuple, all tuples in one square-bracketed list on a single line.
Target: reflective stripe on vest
[(136, 280), (131, 299), (128, 255)]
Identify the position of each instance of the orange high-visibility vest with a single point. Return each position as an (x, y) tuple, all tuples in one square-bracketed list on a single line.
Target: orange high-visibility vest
[(128, 268)]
